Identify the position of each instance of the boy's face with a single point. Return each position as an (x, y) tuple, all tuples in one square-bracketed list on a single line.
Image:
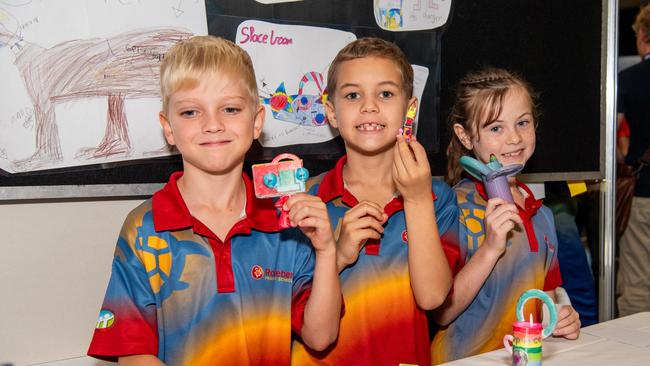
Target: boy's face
[(369, 104), (212, 124)]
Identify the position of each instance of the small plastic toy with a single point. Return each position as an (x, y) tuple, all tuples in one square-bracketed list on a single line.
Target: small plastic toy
[(493, 174), (280, 179), (407, 128)]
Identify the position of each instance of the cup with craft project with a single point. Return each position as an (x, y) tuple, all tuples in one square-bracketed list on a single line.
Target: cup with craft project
[(525, 344)]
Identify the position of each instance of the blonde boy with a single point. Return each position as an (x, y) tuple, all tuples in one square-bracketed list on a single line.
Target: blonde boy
[(202, 275)]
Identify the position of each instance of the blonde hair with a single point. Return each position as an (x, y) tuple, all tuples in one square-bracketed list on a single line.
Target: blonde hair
[(189, 61), (642, 22), (372, 47), (479, 99)]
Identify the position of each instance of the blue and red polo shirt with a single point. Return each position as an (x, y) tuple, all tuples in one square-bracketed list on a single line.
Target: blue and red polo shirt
[(382, 324), (179, 292), (529, 262)]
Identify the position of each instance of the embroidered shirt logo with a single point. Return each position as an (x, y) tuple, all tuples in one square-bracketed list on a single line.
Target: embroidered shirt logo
[(405, 237), (257, 272), (268, 274), (106, 319)]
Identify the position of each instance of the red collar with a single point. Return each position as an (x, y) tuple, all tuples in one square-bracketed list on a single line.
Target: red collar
[(170, 212), (531, 204), (332, 187)]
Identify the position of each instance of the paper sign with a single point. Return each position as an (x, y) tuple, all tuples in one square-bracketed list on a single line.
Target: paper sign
[(80, 82), (291, 65), (577, 187)]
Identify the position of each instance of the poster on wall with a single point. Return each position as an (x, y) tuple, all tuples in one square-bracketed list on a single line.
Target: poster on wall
[(292, 44), (87, 92), (411, 15), (84, 115), (291, 64)]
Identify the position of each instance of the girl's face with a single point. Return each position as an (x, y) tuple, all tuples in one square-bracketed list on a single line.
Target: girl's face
[(511, 137)]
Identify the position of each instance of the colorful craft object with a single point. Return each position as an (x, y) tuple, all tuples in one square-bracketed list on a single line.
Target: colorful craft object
[(407, 128), (526, 348), (280, 178), (493, 174), (302, 109)]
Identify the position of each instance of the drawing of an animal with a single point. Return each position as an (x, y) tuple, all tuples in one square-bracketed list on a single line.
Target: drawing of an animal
[(121, 67)]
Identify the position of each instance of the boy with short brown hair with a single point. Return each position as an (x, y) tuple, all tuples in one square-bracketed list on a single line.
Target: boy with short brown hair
[(376, 193)]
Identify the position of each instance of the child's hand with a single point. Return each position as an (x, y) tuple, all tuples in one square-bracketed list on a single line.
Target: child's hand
[(411, 170), (309, 213), (500, 218), (568, 323), (360, 223)]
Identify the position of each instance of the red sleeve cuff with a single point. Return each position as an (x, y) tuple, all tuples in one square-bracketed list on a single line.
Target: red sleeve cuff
[(298, 304), (452, 252), (298, 310), (125, 338), (553, 279)]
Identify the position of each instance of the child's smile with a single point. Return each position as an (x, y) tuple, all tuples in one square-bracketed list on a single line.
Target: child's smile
[(370, 127)]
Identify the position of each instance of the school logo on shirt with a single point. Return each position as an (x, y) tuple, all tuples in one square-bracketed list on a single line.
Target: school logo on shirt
[(257, 272), (106, 319), (405, 237), (268, 274)]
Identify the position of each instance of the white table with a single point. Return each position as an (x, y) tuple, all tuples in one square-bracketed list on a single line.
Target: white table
[(619, 342)]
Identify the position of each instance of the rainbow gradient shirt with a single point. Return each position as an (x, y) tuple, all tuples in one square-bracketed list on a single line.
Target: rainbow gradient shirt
[(530, 262), (179, 292), (382, 325)]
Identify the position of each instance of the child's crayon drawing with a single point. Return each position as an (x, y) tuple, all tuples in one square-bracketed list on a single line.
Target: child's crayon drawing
[(87, 92), (290, 65), (411, 15)]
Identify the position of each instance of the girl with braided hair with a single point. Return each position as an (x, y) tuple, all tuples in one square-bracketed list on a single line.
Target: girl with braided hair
[(508, 248)]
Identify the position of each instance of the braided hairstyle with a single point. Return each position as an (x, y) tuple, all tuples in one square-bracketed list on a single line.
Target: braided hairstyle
[(479, 99)]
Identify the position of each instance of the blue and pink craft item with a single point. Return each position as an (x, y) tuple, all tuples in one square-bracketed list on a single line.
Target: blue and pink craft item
[(526, 348), (282, 177), (493, 175)]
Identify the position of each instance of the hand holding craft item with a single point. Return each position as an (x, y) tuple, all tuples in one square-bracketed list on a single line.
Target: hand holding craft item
[(493, 174), (280, 178), (526, 348)]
